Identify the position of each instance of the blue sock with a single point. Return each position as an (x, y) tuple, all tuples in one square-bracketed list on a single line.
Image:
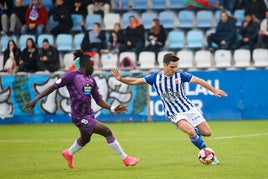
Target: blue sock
[(198, 142), (198, 132)]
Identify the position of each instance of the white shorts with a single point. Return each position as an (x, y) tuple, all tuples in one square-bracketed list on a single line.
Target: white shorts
[(193, 117)]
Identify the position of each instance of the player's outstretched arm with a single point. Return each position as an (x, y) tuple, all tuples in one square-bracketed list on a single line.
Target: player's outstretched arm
[(46, 92), (217, 92), (118, 109), (127, 80)]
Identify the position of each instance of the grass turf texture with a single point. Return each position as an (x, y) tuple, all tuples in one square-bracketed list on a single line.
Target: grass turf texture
[(34, 151)]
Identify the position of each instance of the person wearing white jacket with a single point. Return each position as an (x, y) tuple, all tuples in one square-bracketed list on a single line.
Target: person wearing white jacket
[(263, 33)]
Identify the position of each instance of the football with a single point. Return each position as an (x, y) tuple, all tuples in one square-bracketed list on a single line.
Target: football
[(206, 155)]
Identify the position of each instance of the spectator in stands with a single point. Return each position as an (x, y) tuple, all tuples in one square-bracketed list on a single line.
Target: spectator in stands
[(256, 7), (156, 37), (29, 57), (62, 15), (98, 6), (17, 18), (249, 32), (225, 35), (116, 39), (263, 33), (134, 36), (79, 7), (8, 4), (94, 40), (11, 57), (48, 58), (3, 19), (36, 18)]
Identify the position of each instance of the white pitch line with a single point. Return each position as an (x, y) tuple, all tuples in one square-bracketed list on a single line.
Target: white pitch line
[(141, 139), (241, 136)]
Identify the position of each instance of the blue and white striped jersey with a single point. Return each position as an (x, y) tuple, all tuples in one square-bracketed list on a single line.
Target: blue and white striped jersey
[(171, 91)]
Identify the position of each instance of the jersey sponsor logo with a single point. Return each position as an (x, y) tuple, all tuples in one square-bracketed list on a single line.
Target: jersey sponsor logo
[(170, 95), (87, 89)]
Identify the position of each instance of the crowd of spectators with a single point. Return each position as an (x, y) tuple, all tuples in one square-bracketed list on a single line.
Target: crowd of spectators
[(33, 19)]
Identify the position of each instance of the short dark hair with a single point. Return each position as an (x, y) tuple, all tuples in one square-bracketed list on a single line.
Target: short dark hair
[(170, 57), (45, 40), (84, 58)]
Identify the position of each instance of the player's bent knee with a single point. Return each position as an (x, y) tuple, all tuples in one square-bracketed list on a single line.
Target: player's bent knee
[(207, 132)]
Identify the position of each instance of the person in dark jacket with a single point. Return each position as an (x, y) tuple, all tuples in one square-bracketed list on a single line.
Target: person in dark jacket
[(11, 57), (134, 36), (62, 15), (249, 32), (17, 18), (94, 40), (156, 37), (116, 38), (48, 58), (78, 7), (225, 35), (256, 7), (29, 57)]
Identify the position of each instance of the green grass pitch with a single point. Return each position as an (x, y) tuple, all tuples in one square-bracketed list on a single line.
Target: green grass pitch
[(34, 151)]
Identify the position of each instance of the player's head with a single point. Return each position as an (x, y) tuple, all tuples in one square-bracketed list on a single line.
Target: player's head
[(86, 63), (170, 63)]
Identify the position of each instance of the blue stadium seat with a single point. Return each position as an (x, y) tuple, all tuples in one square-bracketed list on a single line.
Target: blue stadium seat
[(204, 19), (41, 37), (23, 39), (158, 4), (186, 19), (239, 14), (48, 4), (77, 21), (78, 38), (175, 40), (91, 19), (4, 40), (125, 17), (52, 23), (64, 42), (166, 18), (27, 2), (147, 17), (139, 5), (176, 4), (194, 39), (124, 5)]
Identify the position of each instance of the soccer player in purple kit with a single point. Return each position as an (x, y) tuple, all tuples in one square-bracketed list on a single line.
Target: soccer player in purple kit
[(178, 108), (82, 88)]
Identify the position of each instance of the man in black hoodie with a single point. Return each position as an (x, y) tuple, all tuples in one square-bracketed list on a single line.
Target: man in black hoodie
[(62, 15)]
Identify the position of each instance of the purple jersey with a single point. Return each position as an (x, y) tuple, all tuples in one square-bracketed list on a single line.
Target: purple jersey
[(81, 89)]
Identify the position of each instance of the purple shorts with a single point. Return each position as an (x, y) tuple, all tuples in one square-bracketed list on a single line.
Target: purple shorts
[(86, 123)]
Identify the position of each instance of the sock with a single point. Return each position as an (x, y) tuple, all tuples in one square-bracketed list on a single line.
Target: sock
[(198, 142), (117, 149), (198, 132), (74, 148)]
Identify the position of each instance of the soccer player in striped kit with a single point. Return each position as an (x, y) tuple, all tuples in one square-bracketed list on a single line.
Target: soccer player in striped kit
[(178, 108), (83, 88)]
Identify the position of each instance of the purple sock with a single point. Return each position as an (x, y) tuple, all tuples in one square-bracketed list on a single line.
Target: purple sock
[(79, 142), (110, 139)]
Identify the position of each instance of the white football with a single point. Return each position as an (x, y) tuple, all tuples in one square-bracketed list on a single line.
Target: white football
[(206, 155)]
